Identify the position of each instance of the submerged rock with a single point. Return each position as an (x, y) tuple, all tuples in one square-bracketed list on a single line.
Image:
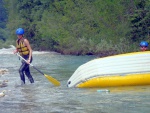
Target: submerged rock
[(3, 71), (3, 83), (2, 94)]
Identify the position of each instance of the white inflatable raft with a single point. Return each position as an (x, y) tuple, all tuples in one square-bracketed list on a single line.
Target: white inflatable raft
[(119, 70)]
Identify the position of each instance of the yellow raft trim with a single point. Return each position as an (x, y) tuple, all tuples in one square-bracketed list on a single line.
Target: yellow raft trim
[(113, 81), (125, 54)]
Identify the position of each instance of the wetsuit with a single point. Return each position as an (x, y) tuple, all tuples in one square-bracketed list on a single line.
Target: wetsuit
[(24, 68)]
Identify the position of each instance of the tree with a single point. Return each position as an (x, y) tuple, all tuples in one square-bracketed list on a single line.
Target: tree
[(140, 21), (3, 19)]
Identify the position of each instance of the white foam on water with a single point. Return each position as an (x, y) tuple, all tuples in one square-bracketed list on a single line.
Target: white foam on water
[(12, 48)]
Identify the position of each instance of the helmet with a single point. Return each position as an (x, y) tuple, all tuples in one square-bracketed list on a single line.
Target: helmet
[(144, 44), (19, 31)]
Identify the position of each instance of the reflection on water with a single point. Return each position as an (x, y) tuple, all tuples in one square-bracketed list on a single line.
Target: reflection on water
[(130, 89), (43, 97)]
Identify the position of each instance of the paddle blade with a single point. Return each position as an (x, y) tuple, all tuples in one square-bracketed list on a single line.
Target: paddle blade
[(52, 80)]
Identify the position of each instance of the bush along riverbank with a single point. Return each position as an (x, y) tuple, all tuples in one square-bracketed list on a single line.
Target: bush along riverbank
[(102, 49), (80, 27)]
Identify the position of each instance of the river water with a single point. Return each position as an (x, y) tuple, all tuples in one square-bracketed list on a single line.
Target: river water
[(44, 97)]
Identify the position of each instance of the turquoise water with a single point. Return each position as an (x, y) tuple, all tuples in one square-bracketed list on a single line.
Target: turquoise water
[(43, 97)]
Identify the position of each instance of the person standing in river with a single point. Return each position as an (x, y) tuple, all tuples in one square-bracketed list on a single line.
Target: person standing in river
[(25, 50), (143, 45)]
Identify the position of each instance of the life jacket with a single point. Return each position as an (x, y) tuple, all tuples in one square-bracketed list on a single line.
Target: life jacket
[(22, 48)]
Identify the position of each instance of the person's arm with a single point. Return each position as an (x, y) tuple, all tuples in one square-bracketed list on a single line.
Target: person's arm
[(29, 47)]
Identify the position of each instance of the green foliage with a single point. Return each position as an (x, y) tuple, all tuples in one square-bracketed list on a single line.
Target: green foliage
[(3, 35), (3, 18), (140, 21), (80, 26), (3, 15), (6, 44)]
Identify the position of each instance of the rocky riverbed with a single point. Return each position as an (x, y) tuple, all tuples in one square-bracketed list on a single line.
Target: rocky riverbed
[(3, 83)]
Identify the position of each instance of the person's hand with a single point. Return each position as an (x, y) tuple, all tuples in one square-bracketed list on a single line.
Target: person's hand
[(15, 51), (28, 61)]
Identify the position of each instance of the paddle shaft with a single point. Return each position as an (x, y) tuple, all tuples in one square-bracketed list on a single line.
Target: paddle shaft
[(30, 64), (38, 70)]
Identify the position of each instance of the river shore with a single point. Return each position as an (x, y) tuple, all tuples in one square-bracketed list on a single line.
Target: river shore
[(12, 48)]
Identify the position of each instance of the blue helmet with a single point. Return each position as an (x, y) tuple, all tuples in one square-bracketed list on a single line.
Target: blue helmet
[(144, 44), (19, 31)]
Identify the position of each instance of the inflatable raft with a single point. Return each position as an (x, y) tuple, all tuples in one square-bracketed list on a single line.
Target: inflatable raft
[(130, 69)]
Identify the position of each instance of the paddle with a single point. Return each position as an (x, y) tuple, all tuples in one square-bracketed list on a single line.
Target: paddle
[(51, 79)]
